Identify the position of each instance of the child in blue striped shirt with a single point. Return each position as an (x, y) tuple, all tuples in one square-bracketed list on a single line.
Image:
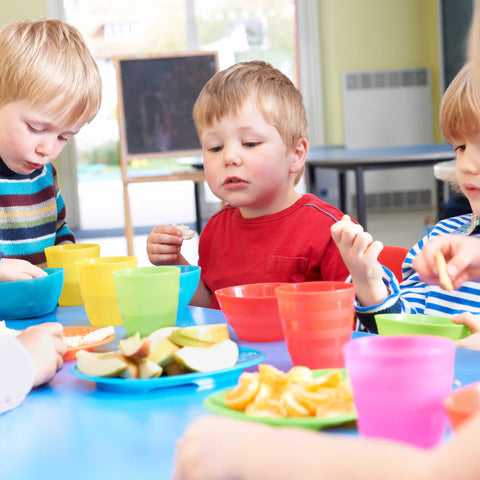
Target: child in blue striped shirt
[(50, 87), (377, 289)]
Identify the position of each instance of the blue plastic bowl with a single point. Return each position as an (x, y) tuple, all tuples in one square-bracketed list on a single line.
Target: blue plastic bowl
[(189, 278), (31, 298)]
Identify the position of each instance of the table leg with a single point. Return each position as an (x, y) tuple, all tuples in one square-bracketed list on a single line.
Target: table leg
[(310, 179), (360, 193), (198, 214), (342, 191), (440, 198)]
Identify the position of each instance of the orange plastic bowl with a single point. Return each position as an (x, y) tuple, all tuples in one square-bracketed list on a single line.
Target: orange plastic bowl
[(462, 404), (252, 311)]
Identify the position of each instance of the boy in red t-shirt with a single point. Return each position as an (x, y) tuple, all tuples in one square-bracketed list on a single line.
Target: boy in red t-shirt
[(252, 127)]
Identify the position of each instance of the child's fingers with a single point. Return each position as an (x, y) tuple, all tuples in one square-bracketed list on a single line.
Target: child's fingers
[(344, 233), (472, 342), (469, 320), (362, 242), (374, 249)]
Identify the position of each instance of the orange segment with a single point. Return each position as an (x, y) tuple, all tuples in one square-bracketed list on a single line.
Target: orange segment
[(292, 407), (330, 380), (273, 393), (244, 392)]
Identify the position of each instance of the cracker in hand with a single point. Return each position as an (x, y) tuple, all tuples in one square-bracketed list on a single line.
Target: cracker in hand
[(187, 232), (445, 280)]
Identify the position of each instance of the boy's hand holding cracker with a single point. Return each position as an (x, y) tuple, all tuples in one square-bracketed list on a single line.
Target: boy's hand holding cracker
[(164, 243), (460, 263), (360, 254)]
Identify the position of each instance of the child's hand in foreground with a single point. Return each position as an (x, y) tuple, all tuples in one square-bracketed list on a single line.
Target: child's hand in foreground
[(212, 448), (473, 323), (12, 269), (462, 255), (163, 245), (45, 344), (360, 254)]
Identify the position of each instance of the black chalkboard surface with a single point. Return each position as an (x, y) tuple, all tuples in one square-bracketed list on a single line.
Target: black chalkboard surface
[(156, 98)]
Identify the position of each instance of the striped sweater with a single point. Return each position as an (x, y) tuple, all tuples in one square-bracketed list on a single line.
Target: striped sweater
[(32, 214), (415, 296)]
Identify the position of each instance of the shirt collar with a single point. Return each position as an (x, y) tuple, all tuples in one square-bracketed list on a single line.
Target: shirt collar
[(473, 227)]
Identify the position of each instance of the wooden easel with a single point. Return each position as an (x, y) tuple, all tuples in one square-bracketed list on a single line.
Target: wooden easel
[(127, 153)]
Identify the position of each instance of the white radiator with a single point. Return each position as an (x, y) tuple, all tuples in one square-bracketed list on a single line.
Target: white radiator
[(388, 108)]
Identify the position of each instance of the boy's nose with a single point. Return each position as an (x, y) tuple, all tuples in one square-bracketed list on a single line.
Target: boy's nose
[(45, 147), (231, 156), (469, 162)]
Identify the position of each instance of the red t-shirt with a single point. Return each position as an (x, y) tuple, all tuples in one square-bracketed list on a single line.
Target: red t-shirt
[(293, 245)]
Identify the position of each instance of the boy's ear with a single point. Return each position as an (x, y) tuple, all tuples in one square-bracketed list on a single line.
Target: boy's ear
[(299, 155)]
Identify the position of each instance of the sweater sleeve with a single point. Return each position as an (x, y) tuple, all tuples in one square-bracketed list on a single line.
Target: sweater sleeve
[(17, 372)]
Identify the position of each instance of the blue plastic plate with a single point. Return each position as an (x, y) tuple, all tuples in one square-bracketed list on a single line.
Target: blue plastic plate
[(247, 357)]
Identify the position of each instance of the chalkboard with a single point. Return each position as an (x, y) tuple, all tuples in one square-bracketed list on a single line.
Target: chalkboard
[(155, 100), (456, 18)]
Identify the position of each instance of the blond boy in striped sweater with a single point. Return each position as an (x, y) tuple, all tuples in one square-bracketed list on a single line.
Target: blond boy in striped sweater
[(50, 87)]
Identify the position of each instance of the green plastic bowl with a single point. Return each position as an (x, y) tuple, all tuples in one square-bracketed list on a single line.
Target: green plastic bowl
[(418, 324)]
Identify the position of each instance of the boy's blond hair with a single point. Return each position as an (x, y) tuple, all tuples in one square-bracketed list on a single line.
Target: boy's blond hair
[(275, 96), (460, 108), (47, 63)]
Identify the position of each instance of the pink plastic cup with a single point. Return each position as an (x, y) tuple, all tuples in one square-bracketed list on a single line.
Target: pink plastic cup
[(399, 384), (317, 319)]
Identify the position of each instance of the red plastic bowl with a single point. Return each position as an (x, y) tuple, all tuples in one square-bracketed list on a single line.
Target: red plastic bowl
[(462, 404), (252, 311)]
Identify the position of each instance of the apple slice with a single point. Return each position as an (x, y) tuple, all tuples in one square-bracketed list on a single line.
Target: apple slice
[(163, 353), (181, 340), (132, 370), (213, 333), (94, 364), (174, 368), (158, 335), (148, 369), (134, 346), (206, 359)]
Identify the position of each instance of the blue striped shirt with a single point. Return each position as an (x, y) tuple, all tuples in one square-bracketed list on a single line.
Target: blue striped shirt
[(415, 296)]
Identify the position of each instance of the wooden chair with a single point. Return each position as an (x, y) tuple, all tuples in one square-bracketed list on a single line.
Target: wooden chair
[(392, 258)]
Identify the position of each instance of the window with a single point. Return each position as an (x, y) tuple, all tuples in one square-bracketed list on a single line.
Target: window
[(239, 30)]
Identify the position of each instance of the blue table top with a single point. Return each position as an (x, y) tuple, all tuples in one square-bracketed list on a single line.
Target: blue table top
[(69, 429), (339, 153)]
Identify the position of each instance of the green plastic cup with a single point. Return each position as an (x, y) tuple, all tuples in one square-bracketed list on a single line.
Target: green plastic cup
[(419, 324), (147, 297)]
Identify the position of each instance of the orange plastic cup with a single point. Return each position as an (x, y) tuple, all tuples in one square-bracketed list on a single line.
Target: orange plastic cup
[(462, 404), (317, 320), (65, 256), (98, 288)]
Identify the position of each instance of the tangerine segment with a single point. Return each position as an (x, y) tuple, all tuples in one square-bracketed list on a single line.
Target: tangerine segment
[(293, 407), (272, 376), (300, 376), (266, 408), (273, 393), (244, 393), (330, 380)]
